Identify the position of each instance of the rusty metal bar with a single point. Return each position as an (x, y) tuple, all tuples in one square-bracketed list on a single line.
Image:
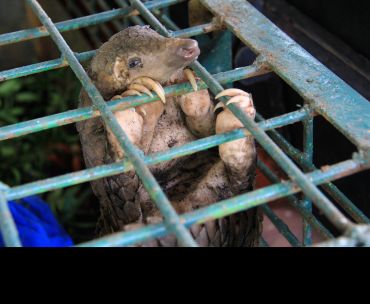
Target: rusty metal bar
[(330, 96)]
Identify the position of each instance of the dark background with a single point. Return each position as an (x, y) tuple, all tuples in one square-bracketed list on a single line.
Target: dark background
[(348, 20)]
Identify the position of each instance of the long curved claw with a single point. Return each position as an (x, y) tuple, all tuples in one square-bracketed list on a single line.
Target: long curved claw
[(127, 93), (153, 85), (140, 88), (130, 93), (232, 92), (116, 97), (219, 105), (191, 77), (238, 96), (163, 98), (142, 111), (244, 100)]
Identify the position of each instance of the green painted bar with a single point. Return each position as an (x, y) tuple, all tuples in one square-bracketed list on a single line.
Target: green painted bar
[(8, 228), (227, 207), (171, 218), (74, 24), (116, 168), (42, 66), (358, 237), (295, 203), (166, 21), (263, 243), (330, 96), (134, 19), (60, 119), (281, 226), (149, 17), (308, 151), (330, 188), (3, 186)]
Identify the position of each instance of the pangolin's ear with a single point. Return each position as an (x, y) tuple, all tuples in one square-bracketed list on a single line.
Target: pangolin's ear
[(119, 69)]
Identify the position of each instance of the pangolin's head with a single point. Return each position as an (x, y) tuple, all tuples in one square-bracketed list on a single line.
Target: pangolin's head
[(139, 51)]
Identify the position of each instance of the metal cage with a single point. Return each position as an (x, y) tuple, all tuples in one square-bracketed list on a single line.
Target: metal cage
[(323, 92)]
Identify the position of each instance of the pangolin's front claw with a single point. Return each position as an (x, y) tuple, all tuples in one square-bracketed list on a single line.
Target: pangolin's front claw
[(119, 97), (131, 93), (151, 84), (239, 155), (218, 105), (140, 88), (191, 77), (243, 99), (232, 92)]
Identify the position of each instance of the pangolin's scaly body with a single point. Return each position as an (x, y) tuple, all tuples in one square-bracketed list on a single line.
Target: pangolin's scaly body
[(190, 182)]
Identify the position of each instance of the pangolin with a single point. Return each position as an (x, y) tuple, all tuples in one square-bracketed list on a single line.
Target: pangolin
[(136, 61)]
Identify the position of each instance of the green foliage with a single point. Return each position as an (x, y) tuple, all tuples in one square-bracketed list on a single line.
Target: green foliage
[(32, 97), (47, 153)]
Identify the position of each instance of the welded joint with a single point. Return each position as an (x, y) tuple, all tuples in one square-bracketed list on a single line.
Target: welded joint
[(262, 64), (361, 234), (8, 228), (363, 157), (3, 187), (356, 236), (218, 23), (311, 112), (213, 26)]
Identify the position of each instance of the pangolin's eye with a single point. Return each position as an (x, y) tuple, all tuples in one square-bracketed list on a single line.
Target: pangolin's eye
[(135, 63)]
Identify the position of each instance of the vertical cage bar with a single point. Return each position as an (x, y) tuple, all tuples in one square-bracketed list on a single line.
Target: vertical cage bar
[(330, 188), (263, 243), (281, 226), (295, 203), (171, 218), (134, 19), (148, 16), (308, 151), (330, 96), (8, 228)]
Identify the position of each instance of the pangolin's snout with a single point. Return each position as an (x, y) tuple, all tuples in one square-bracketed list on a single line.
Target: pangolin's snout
[(188, 50)]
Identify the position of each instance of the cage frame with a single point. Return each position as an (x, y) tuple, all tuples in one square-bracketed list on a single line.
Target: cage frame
[(324, 93)]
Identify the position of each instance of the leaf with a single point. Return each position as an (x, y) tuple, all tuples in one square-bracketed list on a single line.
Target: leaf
[(6, 118), (17, 175), (10, 87), (7, 151), (16, 111), (26, 97)]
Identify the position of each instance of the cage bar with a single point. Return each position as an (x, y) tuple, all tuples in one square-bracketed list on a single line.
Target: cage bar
[(227, 207), (8, 228), (324, 93)]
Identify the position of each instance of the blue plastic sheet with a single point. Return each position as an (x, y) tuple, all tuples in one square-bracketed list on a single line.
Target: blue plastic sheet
[(37, 225)]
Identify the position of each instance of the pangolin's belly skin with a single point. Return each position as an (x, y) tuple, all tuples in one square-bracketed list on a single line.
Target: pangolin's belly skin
[(126, 205), (171, 132)]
